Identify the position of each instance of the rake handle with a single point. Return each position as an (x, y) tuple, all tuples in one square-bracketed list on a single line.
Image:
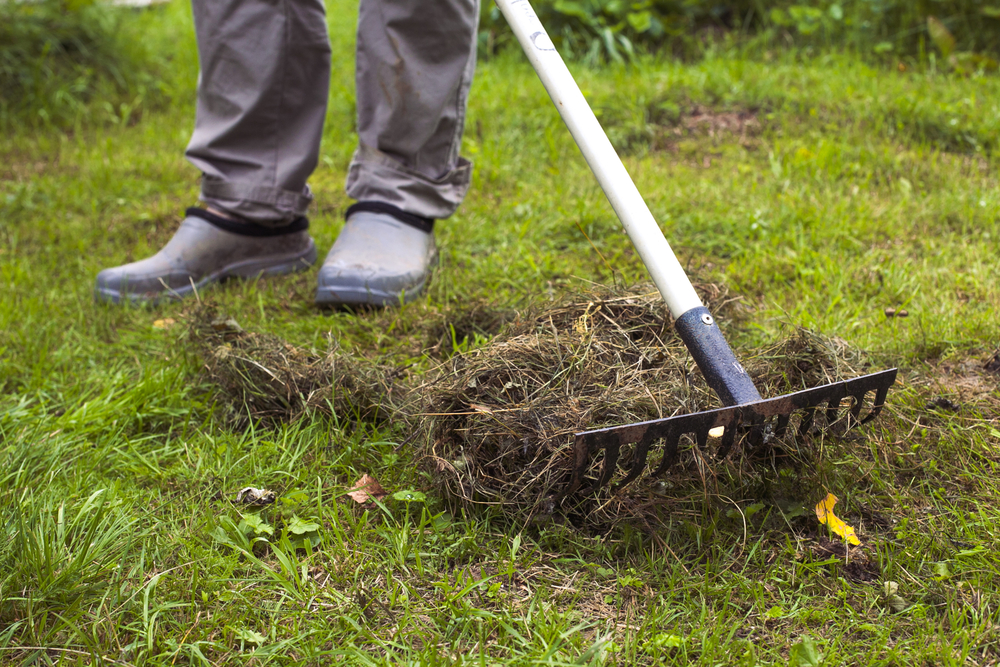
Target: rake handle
[(695, 325)]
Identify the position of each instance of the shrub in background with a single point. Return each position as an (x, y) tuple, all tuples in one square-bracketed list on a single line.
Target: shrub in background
[(61, 60), (612, 30)]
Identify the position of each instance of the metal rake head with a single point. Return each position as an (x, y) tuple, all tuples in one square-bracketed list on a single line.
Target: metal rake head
[(748, 424)]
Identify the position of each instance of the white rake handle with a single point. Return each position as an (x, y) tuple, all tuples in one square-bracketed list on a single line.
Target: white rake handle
[(695, 325), (656, 254)]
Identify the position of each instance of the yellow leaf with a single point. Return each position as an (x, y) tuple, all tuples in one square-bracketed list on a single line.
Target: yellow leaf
[(164, 323), (941, 36), (824, 512)]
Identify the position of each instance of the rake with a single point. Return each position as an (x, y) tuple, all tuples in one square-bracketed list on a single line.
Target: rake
[(747, 420)]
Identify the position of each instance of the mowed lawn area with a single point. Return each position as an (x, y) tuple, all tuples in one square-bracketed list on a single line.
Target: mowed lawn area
[(828, 192)]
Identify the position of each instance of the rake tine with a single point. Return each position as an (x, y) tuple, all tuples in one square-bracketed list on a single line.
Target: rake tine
[(779, 430), (807, 420), (640, 456), (876, 407), (671, 442), (701, 438), (833, 409), (611, 452), (757, 425), (880, 395), (581, 455), (728, 440), (859, 400)]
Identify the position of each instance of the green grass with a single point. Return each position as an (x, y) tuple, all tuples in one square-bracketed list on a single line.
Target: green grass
[(859, 189)]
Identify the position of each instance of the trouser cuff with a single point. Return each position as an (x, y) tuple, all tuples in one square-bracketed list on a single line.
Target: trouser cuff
[(261, 205), (374, 176)]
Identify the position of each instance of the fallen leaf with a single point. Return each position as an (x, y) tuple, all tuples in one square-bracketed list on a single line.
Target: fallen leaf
[(941, 36), (893, 599), (165, 323), (365, 489), (255, 497), (824, 512)]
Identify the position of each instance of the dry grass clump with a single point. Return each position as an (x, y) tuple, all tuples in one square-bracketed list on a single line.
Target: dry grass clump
[(803, 360), (500, 421), (266, 378)]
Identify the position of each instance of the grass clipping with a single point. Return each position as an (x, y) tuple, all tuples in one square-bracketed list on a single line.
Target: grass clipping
[(500, 421), (264, 378)]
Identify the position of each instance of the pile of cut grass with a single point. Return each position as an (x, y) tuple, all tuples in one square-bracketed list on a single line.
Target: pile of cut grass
[(496, 423), (264, 378), (499, 422)]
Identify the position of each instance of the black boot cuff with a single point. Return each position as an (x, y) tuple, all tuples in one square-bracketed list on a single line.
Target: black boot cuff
[(423, 224), (247, 228)]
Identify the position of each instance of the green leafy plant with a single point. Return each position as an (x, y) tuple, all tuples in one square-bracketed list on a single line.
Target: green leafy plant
[(61, 60), (616, 30), (302, 533)]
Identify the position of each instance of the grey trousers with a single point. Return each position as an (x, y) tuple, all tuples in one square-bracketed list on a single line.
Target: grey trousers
[(262, 95)]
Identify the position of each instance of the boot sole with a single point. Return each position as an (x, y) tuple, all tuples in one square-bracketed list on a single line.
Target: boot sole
[(360, 295), (246, 270)]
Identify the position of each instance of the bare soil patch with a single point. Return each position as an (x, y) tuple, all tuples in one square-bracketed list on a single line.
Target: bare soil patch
[(739, 125)]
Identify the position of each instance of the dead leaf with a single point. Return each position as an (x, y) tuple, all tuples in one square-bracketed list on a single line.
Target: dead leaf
[(255, 497), (824, 512), (366, 489), (941, 36), (165, 323), (892, 598), (226, 325)]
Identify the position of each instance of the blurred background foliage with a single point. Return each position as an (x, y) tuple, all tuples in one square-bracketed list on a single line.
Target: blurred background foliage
[(62, 61), (961, 33)]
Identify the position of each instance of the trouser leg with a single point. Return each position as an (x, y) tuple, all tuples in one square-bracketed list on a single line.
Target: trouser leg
[(415, 61), (262, 94)]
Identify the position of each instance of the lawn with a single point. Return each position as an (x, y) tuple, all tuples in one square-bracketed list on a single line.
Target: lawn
[(819, 188)]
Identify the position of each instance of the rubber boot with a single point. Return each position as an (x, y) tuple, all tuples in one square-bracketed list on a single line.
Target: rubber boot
[(206, 249), (382, 257)]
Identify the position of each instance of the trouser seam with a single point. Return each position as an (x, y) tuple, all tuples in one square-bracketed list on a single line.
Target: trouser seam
[(464, 85), (281, 97)]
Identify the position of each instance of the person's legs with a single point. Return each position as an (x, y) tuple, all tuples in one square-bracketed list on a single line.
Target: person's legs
[(262, 93), (415, 62)]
